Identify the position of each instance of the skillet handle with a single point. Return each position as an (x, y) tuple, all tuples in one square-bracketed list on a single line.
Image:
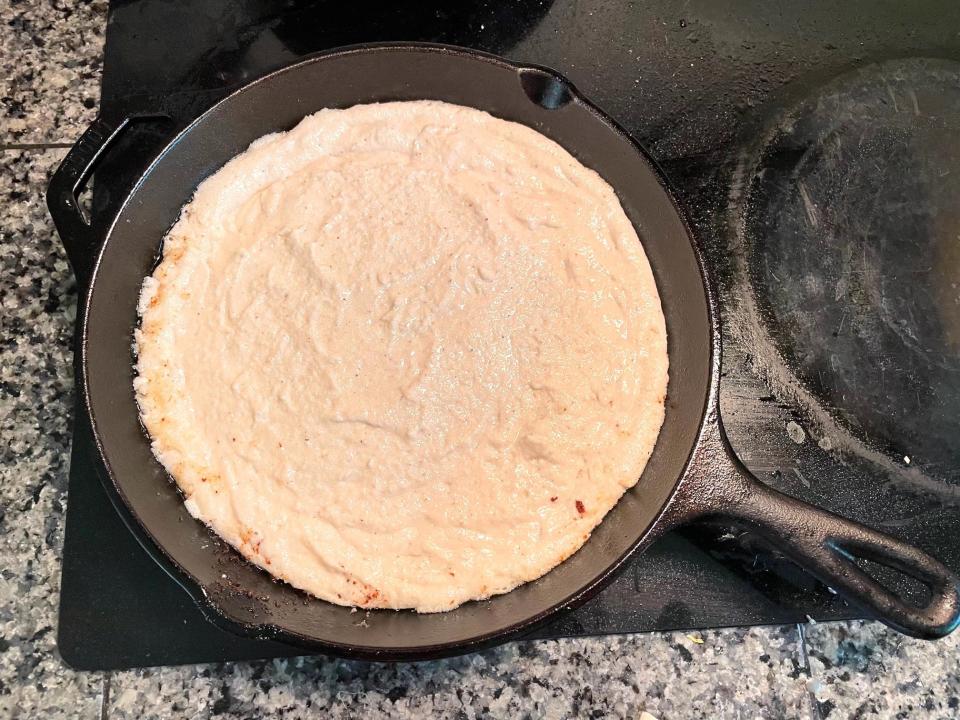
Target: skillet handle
[(81, 235), (823, 543)]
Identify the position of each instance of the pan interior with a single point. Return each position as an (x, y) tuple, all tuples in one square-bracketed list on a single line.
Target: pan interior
[(214, 574)]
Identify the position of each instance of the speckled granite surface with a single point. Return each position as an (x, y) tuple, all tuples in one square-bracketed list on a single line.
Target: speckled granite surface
[(37, 309), (50, 72), (864, 670), (668, 675), (836, 671)]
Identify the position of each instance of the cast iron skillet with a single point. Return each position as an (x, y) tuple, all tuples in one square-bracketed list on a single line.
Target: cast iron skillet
[(692, 472)]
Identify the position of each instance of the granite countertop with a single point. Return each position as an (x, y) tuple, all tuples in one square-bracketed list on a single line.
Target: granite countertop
[(51, 55)]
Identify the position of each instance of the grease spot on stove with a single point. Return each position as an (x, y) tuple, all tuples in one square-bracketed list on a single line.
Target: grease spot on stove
[(796, 433)]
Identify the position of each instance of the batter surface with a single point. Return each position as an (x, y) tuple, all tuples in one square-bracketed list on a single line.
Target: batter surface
[(404, 355)]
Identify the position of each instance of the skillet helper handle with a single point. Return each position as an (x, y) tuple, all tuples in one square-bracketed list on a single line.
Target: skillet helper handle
[(77, 232), (824, 543), (81, 235)]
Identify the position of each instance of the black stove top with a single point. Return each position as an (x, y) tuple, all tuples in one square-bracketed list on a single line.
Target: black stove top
[(813, 148)]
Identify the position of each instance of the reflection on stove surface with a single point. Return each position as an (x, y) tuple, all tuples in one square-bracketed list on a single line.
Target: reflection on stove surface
[(853, 226)]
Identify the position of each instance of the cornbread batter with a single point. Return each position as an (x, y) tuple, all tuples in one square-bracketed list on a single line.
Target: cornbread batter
[(404, 355)]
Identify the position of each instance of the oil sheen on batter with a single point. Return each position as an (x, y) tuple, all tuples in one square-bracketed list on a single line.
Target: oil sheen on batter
[(404, 355)]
